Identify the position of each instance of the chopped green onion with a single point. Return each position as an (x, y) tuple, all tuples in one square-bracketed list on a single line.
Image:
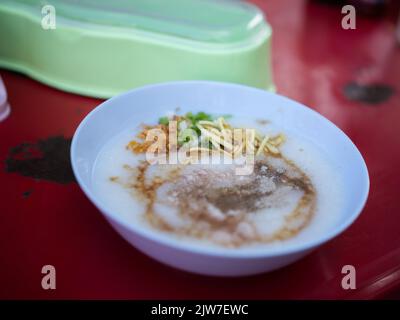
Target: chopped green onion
[(163, 120), (194, 118), (187, 135)]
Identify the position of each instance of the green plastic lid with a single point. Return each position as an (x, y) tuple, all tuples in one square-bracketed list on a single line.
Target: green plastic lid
[(215, 21), (102, 47)]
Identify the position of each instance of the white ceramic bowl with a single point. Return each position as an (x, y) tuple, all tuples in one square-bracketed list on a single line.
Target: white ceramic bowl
[(146, 104)]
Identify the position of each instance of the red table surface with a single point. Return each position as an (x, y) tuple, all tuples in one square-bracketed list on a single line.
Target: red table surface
[(313, 58)]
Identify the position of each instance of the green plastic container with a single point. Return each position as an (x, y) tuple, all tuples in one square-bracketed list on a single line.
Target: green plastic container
[(101, 48)]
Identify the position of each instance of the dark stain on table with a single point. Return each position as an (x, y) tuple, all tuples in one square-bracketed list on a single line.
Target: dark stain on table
[(371, 94), (47, 159), (27, 193)]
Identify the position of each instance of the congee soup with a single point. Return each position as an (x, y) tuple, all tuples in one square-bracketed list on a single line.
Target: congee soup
[(219, 180)]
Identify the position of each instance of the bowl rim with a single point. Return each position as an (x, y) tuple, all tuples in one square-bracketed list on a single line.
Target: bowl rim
[(259, 252)]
